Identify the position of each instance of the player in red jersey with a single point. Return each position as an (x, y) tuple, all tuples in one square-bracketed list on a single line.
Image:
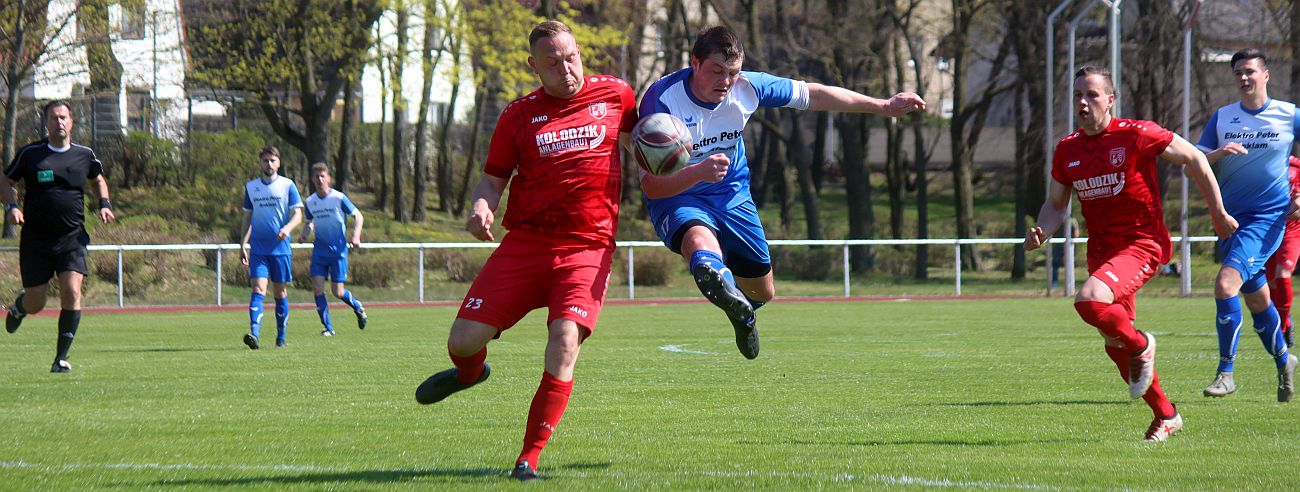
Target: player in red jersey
[(1110, 163), (561, 143), (1282, 263)]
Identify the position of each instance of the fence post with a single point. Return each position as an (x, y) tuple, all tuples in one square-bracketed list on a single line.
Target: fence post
[(956, 268), (218, 275), (119, 276), (421, 270), (846, 269), (631, 274)]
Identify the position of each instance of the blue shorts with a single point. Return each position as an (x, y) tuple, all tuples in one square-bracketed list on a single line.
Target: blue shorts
[(333, 268), (739, 231), (1255, 240), (277, 268)]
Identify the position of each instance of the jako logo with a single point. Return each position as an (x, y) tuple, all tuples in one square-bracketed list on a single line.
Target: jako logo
[(538, 119), (578, 311)]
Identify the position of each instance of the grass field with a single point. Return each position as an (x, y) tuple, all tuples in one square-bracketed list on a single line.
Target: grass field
[(987, 394)]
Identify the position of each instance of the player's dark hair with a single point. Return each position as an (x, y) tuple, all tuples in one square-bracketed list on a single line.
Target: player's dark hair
[(45, 111), (717, 40), (1095, 70), (1247, 54), (270, 150), (319, 167), (548, 29)]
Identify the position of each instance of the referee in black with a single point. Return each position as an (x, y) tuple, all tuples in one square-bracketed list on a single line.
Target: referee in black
[(53, 241)]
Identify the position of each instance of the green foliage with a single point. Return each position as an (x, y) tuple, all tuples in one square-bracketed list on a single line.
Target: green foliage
[(805, 263), (142, 270), (654, 266), (149, 160), (225, 158), (497, 34)]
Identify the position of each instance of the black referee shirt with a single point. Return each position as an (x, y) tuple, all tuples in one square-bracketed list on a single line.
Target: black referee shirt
[(55, 206)]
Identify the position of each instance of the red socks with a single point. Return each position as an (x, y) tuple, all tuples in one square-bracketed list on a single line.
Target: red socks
[(469, 367), (544, 414), (1113, 323), (1155, 397), (1281, 292)]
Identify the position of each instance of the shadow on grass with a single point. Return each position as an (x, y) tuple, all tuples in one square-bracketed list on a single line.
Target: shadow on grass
[(916, 442), (174, 349), (368, 476), (1023, 403)]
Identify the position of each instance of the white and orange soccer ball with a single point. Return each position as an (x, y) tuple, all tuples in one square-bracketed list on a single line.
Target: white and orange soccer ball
[(661, 144)]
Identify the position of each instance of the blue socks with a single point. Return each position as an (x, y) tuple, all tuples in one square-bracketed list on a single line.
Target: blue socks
[(255, 314), (352, 302), (323, 309), (281, 317), (1269, 328), (1228, 326), (714, 260)]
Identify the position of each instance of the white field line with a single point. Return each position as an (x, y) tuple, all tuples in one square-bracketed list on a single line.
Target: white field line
[(678, 349)]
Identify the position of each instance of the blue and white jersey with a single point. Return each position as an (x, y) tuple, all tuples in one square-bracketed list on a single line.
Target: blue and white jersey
[(1254, 182), (718, 128), (330, 216), (272, 206)]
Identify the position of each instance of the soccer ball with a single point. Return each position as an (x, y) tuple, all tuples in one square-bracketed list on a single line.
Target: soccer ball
[(661, 144)]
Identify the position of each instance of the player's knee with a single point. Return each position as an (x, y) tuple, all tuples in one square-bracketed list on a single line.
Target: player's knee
[(1227, 284)]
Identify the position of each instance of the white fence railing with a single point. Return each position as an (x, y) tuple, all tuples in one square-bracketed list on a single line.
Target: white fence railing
[(630, 246)]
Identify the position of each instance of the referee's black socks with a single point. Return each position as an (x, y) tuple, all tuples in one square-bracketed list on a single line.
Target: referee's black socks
[(68, 322)]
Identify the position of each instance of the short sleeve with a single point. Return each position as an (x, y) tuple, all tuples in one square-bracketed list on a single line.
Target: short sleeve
[(248, 202), (306, 214), (16, 168), (1152, 139), (295, 200), (627, 100), (96, 167), (778, 92), (1210, 136), (1058, 167), (346, 205), (503, 154)]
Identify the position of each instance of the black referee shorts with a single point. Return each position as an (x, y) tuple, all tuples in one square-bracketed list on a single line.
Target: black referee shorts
[(39, 261)]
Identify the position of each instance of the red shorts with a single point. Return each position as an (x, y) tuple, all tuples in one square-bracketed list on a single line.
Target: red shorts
[(1287, 253), (528, 272), (1126, 270)]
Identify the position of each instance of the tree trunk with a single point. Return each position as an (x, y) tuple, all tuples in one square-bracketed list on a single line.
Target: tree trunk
[(446, 197), (797, 150), (857, 187), (819, 157), (399, 118), (343, 165), (422, 122), (921, 269), (471, 168)]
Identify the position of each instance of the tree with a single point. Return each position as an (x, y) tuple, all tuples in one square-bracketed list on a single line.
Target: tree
[(397, 70), (433, 39), (293, 56), (1030, 88)]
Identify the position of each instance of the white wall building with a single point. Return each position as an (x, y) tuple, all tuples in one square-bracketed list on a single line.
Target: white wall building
[(374, 90)]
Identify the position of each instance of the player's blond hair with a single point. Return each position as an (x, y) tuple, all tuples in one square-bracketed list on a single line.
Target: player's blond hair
[(1087, 70), (547, 29)]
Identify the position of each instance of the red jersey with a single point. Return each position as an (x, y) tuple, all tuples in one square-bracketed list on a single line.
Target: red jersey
[(565, 159), (1114, 175)]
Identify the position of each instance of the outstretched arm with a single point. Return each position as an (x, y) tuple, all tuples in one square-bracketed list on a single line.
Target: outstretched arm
[(831, 98), (1198, 168), (1050, 217)]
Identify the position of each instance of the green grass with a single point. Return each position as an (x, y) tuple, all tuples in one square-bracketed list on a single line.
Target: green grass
[(912, 395)]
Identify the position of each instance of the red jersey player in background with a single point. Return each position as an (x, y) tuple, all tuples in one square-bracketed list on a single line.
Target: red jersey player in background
[(1111, 164), (560, 142), (1282, 263)]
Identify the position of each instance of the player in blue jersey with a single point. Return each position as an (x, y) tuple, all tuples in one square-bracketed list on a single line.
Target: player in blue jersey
[(1250, 142), (704, 211), (327, 212), (272, 209)]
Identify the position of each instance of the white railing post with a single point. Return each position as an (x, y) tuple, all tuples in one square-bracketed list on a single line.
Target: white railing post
[(119, 277), (631, 274), (421, 272), (846, 269), (956, 268), (218, 275)]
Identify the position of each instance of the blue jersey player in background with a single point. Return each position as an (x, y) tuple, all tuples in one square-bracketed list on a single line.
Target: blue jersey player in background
[(704, 211), (327, 214), (272, 209), (1250, 142)]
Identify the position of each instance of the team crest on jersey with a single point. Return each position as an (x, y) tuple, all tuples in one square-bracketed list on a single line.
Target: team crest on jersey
[(1117, 157), (598, 110)]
